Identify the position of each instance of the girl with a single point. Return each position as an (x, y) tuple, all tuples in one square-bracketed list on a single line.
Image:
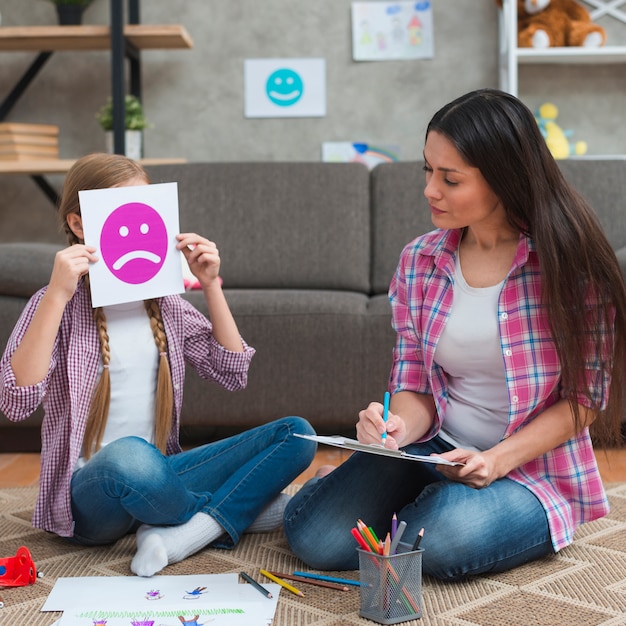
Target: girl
[(111, 382), (511, 341)]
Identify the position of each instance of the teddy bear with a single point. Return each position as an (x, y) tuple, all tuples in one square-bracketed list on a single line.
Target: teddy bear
[(550, 23)]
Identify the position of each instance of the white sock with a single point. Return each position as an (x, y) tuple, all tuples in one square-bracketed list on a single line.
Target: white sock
[(271, 517), (158, 546)]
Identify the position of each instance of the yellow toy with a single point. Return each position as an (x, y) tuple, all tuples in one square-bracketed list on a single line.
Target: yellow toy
[(556, 138), (549, 23)]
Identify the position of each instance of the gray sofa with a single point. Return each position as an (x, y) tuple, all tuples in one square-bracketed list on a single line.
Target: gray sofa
[(308, 250)]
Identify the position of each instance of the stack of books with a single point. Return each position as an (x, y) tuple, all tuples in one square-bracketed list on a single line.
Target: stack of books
[(28, 142)]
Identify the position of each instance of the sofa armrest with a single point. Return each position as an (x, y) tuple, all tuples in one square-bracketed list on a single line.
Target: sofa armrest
[(25, 267)]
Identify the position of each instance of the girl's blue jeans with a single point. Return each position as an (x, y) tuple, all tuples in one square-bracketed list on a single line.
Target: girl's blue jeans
[(130, 482), (466, 531)]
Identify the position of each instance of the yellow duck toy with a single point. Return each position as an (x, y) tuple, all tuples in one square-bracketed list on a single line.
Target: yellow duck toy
[(556, 138)]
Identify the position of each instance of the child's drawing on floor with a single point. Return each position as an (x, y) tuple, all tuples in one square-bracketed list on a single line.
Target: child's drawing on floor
[(195, 594), (153, 594)]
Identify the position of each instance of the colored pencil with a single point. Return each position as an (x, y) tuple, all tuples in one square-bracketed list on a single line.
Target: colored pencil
[(256, 585), (387, 545), (311, 581), (282, 583), (330, 579), (394, 526), (360, 540), (398, 536), (365, 531), (420, 534)]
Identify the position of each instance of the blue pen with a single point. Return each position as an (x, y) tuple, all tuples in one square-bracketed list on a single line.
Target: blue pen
[(385, 415)]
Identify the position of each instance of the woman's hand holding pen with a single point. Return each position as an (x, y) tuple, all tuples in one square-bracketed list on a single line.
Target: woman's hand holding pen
[(70, 264), (409, 418), (371, 426)]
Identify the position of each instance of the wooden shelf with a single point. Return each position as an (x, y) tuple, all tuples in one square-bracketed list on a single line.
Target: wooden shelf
[(124, 41), (59, 38), (61, 166)]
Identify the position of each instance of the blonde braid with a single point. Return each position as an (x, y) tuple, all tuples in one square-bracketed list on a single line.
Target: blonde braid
[(165, 393), (99, 409)]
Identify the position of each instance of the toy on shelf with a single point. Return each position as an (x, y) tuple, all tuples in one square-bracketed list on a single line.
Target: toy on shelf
[(556, 138), (552, 23)]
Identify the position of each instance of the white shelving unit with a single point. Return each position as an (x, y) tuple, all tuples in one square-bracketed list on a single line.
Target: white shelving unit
[(511, 57)]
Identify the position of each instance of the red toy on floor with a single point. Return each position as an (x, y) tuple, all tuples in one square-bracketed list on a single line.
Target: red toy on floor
[(18, 570)]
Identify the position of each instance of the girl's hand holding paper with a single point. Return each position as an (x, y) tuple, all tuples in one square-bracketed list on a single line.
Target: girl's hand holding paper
[(70, 264), (202, 256)]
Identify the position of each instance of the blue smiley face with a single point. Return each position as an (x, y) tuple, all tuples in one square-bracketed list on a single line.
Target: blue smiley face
[(284, 87)]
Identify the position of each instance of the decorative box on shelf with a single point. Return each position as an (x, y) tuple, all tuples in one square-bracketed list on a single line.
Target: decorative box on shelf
[(28, 142)]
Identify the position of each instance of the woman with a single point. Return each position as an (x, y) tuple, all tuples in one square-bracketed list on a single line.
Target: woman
[(111, 380), (511, 334)]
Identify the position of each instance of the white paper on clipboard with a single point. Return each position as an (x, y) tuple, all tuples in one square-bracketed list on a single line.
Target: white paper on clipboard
[(353, 444)]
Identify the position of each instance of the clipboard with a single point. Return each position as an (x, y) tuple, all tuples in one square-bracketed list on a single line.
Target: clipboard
[(372, 448)]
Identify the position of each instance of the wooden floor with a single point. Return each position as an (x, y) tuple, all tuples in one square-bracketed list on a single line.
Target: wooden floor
[(20, 470)]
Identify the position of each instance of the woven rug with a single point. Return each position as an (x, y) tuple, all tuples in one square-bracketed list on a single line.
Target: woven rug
[(585, 584)]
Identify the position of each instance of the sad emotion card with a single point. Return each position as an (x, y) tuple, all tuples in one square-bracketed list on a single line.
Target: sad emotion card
[(134, 232)]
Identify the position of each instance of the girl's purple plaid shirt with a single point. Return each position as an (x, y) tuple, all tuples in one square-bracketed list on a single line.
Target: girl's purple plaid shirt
[(67, 389), (566, 480)]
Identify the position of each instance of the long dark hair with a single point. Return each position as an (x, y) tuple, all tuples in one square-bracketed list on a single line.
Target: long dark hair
[(582, 285)]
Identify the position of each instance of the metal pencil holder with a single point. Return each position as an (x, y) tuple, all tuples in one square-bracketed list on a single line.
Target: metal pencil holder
[(391, 586)]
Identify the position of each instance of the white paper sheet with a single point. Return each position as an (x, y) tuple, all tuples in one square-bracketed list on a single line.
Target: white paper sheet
[(161, 601), (353, 444), (134, 232)]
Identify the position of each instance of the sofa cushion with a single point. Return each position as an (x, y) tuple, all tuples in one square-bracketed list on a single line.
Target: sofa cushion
[(603, 183), (399, 214), (316, 357), (279, 225), (25, 267)]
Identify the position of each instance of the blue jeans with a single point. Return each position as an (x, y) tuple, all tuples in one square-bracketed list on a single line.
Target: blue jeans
[(467, 531), (130, 482)]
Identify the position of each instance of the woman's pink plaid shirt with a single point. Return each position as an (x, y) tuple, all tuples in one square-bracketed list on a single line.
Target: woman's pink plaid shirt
[(566, 480)]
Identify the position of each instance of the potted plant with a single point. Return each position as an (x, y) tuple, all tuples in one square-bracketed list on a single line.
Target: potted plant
[(134, 123), (70, 12)]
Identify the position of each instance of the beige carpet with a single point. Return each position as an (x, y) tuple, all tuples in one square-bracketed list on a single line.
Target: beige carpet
[(584, 585)]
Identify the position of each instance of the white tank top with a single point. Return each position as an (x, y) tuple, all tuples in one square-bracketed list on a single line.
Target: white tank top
[(133, 371), (469, 351)]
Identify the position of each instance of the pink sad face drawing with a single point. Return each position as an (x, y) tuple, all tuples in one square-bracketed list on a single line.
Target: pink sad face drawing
[(133, 243)]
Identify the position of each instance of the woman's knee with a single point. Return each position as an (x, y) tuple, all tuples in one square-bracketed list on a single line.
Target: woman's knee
[(470, 532)]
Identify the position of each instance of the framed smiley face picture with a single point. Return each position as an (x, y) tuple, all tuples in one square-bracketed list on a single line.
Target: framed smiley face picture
[(285, 87), (134, 232)]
